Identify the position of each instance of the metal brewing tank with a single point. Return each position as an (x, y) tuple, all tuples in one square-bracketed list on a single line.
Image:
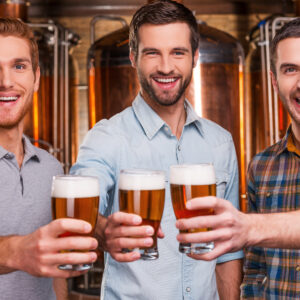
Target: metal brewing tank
[(113, 83), (14, 9), (217, 87), (260, 113)]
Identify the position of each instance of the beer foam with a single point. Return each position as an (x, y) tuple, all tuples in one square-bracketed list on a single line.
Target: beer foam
[(192, 174), (141, 180), (73, 186)]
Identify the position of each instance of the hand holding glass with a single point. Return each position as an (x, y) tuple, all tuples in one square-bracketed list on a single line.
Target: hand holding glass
[(142, 192), (188, 182), (75, 197)]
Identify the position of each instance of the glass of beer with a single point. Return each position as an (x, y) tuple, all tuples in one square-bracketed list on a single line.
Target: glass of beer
[(142, 192), (75, 197), (187, 182)]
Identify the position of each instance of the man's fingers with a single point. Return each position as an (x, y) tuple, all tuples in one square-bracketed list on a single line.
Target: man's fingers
[(124, 218), (74, 243), (219, 250), (200, 222), (207, 202), (129, 231), (126, 257), (72, 258), (60, 226), (205, 236), (160, 233), (128, 243)]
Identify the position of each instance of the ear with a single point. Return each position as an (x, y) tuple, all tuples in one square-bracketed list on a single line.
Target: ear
[(37, 79), (274, 81), (132, 59), (196, 57)]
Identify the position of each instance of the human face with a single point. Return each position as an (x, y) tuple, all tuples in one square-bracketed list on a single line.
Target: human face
[(164, 62), (287, 81), (17, 80)]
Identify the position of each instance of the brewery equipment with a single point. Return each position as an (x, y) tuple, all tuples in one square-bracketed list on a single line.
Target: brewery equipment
[(266, 118), (48, 123), (113, 83), (217, 88)]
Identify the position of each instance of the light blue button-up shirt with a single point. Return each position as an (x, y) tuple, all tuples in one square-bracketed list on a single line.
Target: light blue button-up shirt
[(139, 138)]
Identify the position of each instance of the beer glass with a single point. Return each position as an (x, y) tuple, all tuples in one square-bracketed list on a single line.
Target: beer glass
[(142, 192), (76, 197), (187, 182)]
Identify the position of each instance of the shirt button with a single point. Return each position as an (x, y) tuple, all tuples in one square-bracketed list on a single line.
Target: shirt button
[(7, 156), (298, 268), (179, 148), (188, 289)]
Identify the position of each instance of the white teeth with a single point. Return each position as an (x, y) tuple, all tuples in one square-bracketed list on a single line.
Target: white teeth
[(165, 80), (8, 98)]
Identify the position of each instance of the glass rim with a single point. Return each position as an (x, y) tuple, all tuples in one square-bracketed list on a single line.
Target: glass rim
[(147, 172), (73, 176), (186, 166)]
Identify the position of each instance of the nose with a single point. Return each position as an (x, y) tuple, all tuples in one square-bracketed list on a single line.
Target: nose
[(6, 80), (166, 65)]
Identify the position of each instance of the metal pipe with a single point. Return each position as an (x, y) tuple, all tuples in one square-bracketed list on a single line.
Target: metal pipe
[(66, 99), (103, 17), (53, 27), (261, 43), (269, 84)]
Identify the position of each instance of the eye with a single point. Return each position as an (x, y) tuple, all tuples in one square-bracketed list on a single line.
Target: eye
[(20, 67), (151, 53), (178, 53), (289, 70)]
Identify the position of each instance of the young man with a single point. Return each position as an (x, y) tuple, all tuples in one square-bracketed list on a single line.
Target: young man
[(159, 130), (28, 252), (273, 187)]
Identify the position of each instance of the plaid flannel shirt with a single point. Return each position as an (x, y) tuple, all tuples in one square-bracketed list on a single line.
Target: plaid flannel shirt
[(273, 186)]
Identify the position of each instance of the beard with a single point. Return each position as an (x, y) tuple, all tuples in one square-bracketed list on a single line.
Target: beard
[(164, 99), (14, 119), (288, 105)]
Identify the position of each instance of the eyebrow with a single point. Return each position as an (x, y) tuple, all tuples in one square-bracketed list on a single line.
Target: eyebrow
[(183, 49), (288, 65), (22, 60)]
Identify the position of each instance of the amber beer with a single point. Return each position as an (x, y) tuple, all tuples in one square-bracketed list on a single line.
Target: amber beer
[(75, 197), (142, 192), (187, 182)]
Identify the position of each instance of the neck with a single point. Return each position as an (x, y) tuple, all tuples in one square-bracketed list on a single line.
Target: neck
[(173, 115), (11, 140), (296, 135)]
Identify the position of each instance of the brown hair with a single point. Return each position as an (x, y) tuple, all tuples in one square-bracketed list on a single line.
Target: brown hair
[(162, 12), (289, 30), (17, 28)]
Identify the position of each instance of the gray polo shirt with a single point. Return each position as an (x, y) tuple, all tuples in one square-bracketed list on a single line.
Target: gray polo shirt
[(25, 205)]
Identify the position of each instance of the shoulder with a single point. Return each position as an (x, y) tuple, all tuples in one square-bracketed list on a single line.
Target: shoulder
[(264, 157), (48, 161), (214, 134)]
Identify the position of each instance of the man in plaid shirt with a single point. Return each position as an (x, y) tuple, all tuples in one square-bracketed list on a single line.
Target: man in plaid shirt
[(273, 190)]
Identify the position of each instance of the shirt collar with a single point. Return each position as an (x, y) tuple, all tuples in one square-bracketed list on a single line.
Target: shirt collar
[(287, 143), (29, 150), (152, 123)]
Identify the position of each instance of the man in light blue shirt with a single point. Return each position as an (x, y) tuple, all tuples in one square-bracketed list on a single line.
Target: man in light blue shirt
[(159, 130)]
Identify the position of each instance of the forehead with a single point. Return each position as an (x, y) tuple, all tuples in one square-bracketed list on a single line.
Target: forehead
[(288, 51), (164, 36), (13, 47)]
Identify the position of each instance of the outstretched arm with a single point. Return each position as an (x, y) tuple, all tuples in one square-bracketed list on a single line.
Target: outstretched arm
[(233, 230)]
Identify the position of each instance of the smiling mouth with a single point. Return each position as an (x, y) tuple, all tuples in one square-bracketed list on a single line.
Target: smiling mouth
[(297, 100), (8, 99), (165, 80)]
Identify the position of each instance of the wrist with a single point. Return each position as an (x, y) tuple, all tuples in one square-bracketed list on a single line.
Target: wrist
[(8, 246)]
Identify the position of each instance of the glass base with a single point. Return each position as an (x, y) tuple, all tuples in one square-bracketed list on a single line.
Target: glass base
[(196, 248), (146, 253), (79, 267)]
